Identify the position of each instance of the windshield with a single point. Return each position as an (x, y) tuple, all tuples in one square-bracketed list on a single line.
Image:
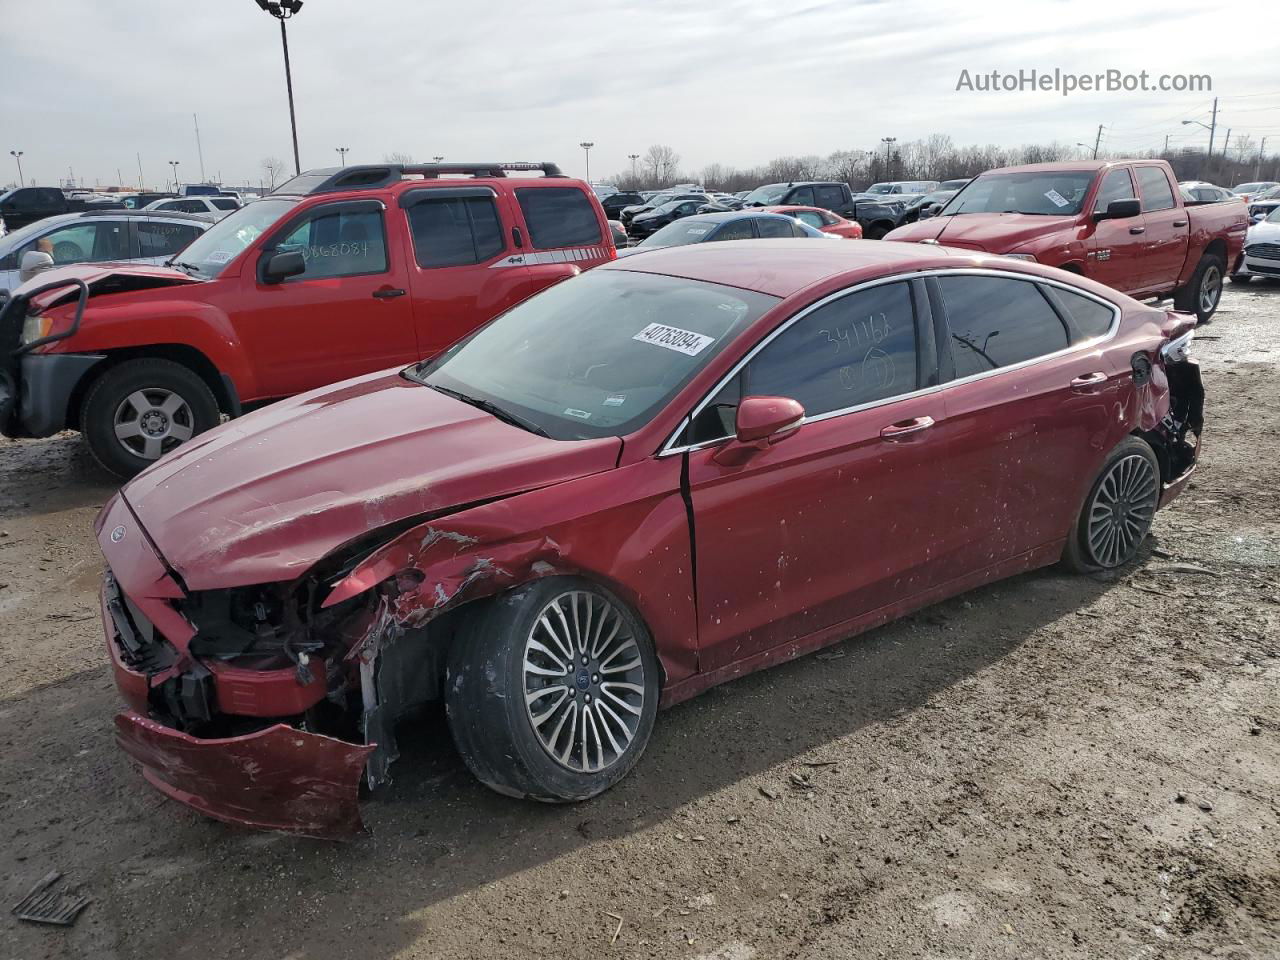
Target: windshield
[(209, 253), (1058, 193), (769, 194), (597, 355), (1274, 216), (1249, 187), (679, 233), (881, 188)]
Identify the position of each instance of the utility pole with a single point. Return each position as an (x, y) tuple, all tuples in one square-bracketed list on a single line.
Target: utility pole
[(17, 155), (1257, 167), (1097, 142), (1213, 125), (1225, 142), (199, 151), (139, 156), (1166, 145)]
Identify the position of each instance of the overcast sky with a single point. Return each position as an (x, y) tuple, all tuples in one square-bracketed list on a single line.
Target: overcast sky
[(88, 85)]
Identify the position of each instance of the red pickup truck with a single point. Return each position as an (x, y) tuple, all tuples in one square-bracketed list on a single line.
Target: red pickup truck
[(1122, 223), (337, 273)]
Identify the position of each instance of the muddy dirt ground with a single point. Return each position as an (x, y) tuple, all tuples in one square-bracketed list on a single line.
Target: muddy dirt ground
[(1048, 767)]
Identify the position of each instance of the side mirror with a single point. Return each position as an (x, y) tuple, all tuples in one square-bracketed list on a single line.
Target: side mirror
[(281, 266), (33, 261), (1120, 210), (761, 422)]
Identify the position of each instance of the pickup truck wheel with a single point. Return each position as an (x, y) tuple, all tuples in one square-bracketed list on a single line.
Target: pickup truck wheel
[(140, 410), (1118, 511), (552, 690), (1202, 295)]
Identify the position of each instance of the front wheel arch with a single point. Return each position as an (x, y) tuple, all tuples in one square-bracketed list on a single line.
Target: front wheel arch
[(188, 356)]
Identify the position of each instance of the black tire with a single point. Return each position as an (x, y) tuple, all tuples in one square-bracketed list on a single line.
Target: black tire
[(152, 378), (1131, 514), (876, 231), (486, 687), (1203, 293), (1240, 278)]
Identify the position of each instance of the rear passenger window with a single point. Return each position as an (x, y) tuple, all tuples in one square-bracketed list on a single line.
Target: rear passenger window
[(855, 350), (774, 227), (734, 230), (829, 197), (996, 322), (161, 238), (342, 244), (1091, 318), (1156, 192), (802, 197), (558, 217), (455, 231)]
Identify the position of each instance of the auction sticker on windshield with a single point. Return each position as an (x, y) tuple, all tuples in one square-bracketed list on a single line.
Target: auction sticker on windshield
[(673, 338), (1058, 199)]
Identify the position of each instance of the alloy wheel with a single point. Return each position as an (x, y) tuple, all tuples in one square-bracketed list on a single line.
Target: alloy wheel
[(1210, 289), (152, 421), (1122, 509), (584, 681)]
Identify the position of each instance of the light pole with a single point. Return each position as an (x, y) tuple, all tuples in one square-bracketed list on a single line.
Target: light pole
[(438, 159), (633, 157), (174, 164), (586, 146), (888, 145), (17, 155), (342, 154), (282, 11)]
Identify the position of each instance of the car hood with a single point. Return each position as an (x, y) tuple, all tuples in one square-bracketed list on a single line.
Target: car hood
[(262, 498), (1263, 232), (992, 232), (102, 277), (650, 216)]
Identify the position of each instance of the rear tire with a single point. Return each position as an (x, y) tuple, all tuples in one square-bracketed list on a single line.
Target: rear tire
[(1203, 294), (141, 409), (1116, 515), (524, 742)]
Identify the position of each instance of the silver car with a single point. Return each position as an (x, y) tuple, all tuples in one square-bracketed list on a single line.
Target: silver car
[(139, 236)]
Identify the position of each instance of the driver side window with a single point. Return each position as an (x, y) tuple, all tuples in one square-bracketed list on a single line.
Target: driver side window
[(1116, 186), (342, 244)]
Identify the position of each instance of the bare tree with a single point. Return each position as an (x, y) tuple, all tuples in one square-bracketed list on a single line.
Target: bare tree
[(272, 167), (662, 163), (397, 156)]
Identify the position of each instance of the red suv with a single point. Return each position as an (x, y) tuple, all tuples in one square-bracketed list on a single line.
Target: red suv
[(339, 272)]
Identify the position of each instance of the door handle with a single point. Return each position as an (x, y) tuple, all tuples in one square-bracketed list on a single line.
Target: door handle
[(1137, 230), (1179, 223), (1088, 380), (517, 238), (388, 293), (904, 428)]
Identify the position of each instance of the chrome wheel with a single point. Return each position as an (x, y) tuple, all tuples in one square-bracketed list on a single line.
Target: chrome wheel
[(1210, 289), (150, 422), (1122, 508), (584, 683)]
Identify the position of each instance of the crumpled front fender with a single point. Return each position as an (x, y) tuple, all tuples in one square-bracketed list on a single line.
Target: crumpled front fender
[(274, 779)]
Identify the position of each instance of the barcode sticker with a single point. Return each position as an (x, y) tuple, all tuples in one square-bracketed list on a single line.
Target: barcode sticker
[(673, 338)]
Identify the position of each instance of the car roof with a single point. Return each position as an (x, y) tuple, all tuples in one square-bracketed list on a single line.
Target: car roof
[(404, 176), (723, 216), (783, 267)]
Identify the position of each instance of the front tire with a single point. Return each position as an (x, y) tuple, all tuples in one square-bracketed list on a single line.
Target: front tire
[(141, 409), (1117, 513), (552, 690), (1203, 294)]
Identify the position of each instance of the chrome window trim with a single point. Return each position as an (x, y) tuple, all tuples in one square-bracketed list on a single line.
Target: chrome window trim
[(668, 449)]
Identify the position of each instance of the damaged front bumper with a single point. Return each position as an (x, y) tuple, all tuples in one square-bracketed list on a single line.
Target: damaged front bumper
[(275, 779)]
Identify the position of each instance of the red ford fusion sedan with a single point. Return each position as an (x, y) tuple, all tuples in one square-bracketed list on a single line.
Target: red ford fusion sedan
[(649, 479)]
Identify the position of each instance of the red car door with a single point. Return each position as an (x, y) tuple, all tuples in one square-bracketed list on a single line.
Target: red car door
[(1168, 234), (1115, 248), (1031, 416), (464, 268), (836, 519)]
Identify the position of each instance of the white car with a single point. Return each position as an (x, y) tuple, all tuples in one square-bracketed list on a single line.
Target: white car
[(217, 207), (99, 235), (1261, 250)]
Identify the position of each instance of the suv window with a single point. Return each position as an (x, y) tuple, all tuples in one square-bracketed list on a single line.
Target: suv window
[(558, 216), (224, 203), (1116, 185), (855, 350), (829, 196), (339, 244), (774, 227), (184, 206), (455, 231), (1090, 317), (163, 238), (801, 197), (85, 242), (997, 322), (1156, 192)]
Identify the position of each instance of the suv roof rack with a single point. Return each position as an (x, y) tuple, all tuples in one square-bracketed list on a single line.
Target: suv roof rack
[(377, 176)]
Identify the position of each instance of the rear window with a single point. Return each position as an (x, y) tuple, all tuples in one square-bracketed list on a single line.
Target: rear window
[(1091, 318), (996, 322), (558, 217)]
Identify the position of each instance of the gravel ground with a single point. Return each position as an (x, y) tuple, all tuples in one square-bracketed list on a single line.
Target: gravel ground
[(1051, 766)]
